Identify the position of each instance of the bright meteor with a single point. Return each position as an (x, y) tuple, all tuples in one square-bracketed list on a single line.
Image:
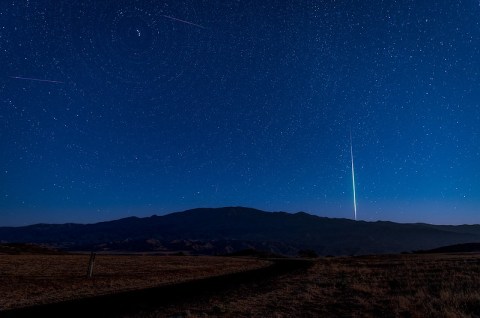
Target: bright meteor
[(353, 179)]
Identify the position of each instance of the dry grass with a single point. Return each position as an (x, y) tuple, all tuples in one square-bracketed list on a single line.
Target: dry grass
[(37, 279), (374, 286)]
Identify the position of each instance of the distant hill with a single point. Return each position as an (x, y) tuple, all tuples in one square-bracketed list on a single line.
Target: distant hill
[(457, 248), (26, 249), (231, 229)]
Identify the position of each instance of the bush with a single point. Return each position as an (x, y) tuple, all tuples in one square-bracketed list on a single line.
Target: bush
[(307, 254)]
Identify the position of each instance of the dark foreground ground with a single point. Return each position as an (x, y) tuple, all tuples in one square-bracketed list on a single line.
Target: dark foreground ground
[(129, 303), (30, 280), (438, 285)]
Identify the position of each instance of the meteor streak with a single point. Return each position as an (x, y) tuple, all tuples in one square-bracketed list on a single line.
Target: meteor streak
[(36, 79), (353, 179), (183, 21)]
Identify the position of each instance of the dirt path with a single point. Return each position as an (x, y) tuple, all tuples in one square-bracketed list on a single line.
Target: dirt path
[(131, 302)]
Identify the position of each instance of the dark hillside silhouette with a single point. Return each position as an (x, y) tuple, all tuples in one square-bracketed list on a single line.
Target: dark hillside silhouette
[(231, 229)]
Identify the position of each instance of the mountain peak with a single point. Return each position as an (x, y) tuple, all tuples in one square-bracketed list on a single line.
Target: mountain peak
[(213, 230)]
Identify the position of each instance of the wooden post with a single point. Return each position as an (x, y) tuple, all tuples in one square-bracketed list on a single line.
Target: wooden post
[(90, 265)]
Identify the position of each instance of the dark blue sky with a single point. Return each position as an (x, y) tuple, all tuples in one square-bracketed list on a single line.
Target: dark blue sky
[(168, 105)]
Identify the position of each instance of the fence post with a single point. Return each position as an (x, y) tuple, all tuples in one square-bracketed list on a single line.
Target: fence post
[(90, 265)]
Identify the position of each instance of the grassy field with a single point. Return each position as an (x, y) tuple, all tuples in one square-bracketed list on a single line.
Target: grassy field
[(373, 286), (436, 285), (27, 280)]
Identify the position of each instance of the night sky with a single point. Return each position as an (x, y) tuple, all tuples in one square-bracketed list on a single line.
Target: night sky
[(116, 108)]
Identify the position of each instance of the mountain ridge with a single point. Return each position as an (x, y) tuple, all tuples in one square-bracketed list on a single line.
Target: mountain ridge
[(228, 229)]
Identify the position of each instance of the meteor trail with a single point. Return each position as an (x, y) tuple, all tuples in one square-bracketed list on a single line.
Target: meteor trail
[(36, 79), (353, 179), (183, 21)]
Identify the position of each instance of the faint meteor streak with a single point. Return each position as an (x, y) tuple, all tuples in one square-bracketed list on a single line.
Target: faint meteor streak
[(183, 21), (353, 179), (36, 79)]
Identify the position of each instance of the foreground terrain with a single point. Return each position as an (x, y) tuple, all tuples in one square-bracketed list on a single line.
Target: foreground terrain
[(409, 285), (372, 286), (28, 280)]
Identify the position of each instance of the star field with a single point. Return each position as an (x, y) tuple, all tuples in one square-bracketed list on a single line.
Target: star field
[(117, 108)]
